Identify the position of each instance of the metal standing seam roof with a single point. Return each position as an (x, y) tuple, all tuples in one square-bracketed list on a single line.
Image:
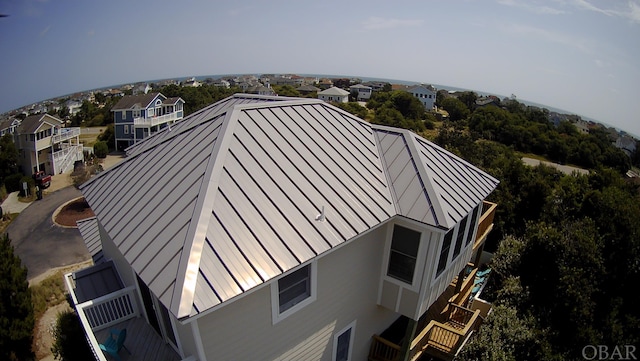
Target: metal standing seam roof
[(227, 199), (90, 232)]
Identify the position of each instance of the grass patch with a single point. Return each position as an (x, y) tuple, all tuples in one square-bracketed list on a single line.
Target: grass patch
[(48, 293), (6, 220)]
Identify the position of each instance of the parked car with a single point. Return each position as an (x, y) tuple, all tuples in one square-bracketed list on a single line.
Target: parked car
[(42, 180)]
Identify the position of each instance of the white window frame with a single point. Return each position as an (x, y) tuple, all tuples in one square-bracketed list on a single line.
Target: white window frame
[(150, 112), (278, 316), (126, 129), (422, 249), (352, 327), (136, 113)]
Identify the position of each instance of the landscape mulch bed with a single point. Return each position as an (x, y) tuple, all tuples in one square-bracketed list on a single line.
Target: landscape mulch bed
[(74, 211)]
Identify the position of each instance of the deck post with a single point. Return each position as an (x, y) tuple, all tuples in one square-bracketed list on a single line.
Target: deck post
[(405, 351)]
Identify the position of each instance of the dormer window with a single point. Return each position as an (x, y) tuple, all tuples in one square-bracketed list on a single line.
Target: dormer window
[(404, 254)]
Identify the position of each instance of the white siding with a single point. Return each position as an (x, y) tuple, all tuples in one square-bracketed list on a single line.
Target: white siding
[(347, 291)]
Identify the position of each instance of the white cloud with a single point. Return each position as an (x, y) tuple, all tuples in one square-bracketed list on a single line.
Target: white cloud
[(551, 36), (532, 7), (631, 11), (376, 23)]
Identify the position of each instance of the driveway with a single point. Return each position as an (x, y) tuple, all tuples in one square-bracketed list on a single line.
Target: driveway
[(39, 242)]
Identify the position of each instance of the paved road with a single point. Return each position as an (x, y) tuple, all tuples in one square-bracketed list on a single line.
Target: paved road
[(39, 242)]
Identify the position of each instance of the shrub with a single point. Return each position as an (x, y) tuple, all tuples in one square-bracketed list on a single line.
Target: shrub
[(101, 149), (12, 182), (69, 341)]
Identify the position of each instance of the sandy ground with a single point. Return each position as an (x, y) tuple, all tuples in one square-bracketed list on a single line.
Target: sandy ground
[(60, 181)]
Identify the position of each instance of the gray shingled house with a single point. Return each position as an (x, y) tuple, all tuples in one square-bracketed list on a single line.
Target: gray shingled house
[(282, 228)]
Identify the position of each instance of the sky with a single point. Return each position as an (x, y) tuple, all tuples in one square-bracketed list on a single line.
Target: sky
[(582, 56)]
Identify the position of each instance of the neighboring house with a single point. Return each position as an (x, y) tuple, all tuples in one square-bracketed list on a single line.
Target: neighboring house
[(74, 106), (9, 126), (44, 145), (281, 228), (334, 94), (627, 144), (261, 90), (582, 126), (191, 82), (363, 91), (308, 89), (487, 101), (425, 93), (137, 117)]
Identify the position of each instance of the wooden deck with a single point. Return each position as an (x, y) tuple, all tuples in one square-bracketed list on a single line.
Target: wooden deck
[(142, 341)]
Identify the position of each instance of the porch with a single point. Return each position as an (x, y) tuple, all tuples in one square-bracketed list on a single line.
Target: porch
[(451, 320), (441, 331), (103, 303), (157, 120)]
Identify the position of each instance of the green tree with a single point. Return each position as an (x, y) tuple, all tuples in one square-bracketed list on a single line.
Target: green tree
[(108, 136), (16, 310), (505, 335), (69, 341), (8, 157), (456, 108), (101, 149), (354, 108), (286, 90)]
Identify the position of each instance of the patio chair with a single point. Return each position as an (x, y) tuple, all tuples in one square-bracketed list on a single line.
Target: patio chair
[(115, 342)]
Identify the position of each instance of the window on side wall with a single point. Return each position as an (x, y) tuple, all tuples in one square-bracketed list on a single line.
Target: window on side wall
[(404, 254), (460, 237), (343, 343), (293, 291), (473, 225), (444, 252)]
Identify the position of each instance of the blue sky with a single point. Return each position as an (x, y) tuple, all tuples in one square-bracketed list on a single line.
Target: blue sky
[(578, 55)]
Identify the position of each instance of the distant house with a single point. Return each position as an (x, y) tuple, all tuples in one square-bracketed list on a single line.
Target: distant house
[(191, 82), (334, 94), (363, 91), (137, 117), (582, 126), (277, 228), (425, 93), (325, 83), (44, 145), (487, 101), (308, 89), (376, 85), (627, 144), (261, 90)]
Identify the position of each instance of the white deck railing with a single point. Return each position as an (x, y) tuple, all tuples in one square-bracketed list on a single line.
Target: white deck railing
[(64, 158), (103, 312), (65, 133), (110, 309), (153, 121)]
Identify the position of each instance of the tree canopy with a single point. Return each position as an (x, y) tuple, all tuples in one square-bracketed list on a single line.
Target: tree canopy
[(16, 310)]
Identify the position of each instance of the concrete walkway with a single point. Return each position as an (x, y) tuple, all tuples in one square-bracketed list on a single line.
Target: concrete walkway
[(13, 205)]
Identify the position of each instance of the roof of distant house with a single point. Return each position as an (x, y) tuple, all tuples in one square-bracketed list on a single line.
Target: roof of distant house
[(31, 123), (136, 101), (243, 182), (334, 91)]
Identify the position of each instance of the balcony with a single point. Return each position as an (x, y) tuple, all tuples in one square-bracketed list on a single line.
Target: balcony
[(441, 331), (157, 120), (102, 303), (486, 223), (65, 134), (451, 320)]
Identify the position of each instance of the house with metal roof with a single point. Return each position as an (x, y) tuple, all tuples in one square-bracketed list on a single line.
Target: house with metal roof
[(334, 94), (425, 93), (137, 117), (364, 92), (265, 227), (45, 145)]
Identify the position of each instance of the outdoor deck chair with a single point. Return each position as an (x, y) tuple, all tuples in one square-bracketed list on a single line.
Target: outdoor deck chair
[(115, 342)]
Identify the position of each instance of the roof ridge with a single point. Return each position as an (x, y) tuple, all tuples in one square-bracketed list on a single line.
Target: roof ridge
[(189, 266)]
